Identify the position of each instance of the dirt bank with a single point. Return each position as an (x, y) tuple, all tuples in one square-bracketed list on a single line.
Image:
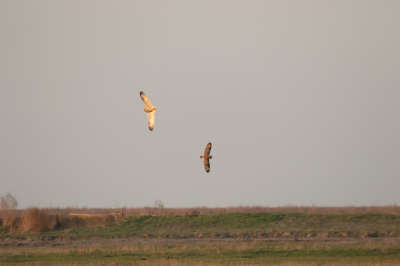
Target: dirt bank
[(53, 242)]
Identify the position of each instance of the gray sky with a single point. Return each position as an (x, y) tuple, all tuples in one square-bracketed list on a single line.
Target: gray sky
[(300, 99)]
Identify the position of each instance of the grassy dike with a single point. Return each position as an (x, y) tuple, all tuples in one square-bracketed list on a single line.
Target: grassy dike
[(228, 225)]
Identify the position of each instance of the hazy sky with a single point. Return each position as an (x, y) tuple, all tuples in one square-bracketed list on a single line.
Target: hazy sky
[(300, 99)]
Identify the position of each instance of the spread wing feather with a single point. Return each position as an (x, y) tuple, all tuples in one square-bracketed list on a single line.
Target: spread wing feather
[(208, 149), (206, 165), (146, 100), (151, 118)]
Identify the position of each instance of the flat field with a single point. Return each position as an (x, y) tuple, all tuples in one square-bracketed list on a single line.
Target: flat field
[(222, 253)]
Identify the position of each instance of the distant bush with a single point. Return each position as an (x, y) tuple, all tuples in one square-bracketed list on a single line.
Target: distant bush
[(158, 209), (74, 222), (35, 220), (194, 213), (8, 208)]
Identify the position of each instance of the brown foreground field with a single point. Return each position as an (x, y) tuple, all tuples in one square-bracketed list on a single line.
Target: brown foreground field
[(205, 252), (67, 242)]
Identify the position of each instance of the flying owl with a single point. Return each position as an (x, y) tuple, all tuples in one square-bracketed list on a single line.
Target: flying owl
[(150, 110), (206, 158)]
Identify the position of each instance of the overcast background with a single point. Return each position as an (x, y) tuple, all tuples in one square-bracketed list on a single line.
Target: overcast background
[(300, 99)]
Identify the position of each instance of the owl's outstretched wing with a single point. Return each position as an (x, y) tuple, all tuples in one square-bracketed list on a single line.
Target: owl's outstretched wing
[(206, 164), (151, 117), (208, 149), (146, 100)]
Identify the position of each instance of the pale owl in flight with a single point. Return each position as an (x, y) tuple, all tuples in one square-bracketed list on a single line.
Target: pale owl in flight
[(150, 110)]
